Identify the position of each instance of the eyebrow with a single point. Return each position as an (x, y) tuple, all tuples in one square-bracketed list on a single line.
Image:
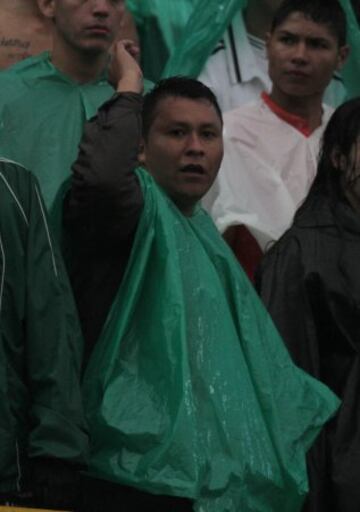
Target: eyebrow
[(295, 35), (185, 124)]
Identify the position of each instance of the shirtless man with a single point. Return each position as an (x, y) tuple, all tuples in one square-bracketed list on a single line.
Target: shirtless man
[(25, 31), (46, 98)]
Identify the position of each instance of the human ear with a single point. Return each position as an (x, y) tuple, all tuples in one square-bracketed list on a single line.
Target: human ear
[(47, 7), (342, 56)]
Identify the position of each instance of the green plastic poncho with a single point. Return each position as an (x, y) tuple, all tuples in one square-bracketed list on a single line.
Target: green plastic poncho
[(42, 118), (208, 22), (160, 25), (351, 71), (190, 391), (204, 29)]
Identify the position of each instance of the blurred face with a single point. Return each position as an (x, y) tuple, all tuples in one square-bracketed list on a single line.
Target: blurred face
[(303, 56), (184, 149), (85, 25)]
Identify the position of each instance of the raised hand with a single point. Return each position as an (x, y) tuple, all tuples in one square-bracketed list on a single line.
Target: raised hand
[(124, 71)]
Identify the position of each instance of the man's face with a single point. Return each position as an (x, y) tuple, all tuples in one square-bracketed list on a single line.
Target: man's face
[(184, 149), (303, 56), (86, 25)]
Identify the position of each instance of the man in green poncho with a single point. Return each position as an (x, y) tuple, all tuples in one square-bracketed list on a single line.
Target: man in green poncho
[(193, 402), (43, 440), (46, 99)]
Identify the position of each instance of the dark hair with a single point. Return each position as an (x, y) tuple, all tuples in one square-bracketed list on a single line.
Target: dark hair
[(339, 137), (327, 190), (176, 86), (324, 12)]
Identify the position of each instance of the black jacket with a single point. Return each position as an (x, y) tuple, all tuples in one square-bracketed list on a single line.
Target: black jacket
[(310, 283), (102, 209)]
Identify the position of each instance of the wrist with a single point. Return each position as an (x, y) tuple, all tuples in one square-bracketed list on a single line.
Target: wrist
[(130, 83)]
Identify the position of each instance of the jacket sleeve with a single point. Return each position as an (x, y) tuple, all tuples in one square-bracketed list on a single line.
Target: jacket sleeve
[(284, 289), (53, 345), (105, 201)]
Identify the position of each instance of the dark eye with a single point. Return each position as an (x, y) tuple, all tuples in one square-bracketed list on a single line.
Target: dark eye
[(318, 43), (177, 132), (287, 39), (209, 134)]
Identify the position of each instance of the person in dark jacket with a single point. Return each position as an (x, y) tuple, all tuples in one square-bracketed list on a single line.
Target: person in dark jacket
[(310, 283), (184, 381), (43, 438)]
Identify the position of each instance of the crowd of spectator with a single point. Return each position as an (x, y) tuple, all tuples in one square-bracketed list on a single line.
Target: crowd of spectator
[(179, 231)]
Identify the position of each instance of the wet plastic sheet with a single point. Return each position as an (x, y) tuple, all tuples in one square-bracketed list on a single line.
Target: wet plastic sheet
[(190, 390), (351, 71), (160, 24), (204, 29)]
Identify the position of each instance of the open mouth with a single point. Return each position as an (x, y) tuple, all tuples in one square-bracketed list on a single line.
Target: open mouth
[(193, 169), (297, 74)]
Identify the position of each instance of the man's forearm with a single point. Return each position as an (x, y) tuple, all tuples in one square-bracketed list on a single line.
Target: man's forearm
[(105, 197)]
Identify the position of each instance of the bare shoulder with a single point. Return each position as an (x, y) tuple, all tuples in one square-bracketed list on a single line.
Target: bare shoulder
[(21, 37)]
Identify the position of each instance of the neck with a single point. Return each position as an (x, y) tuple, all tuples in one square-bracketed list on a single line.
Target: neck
[(22, 7), (308, 108), (76, 65), (258, 18), (186, 207)]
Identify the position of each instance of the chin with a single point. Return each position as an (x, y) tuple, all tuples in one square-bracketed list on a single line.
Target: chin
[(298, 91), (97, 48)]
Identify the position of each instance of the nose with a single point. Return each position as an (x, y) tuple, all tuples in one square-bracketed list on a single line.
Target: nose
[(194, 144), (300, 52), (100, 8)]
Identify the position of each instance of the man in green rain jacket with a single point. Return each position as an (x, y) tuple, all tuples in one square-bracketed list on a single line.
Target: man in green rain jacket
[(43, 441), (192, 400), (46, 99)]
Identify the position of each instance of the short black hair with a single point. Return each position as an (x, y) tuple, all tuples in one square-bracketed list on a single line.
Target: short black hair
[(324, 12), (175, 86)]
